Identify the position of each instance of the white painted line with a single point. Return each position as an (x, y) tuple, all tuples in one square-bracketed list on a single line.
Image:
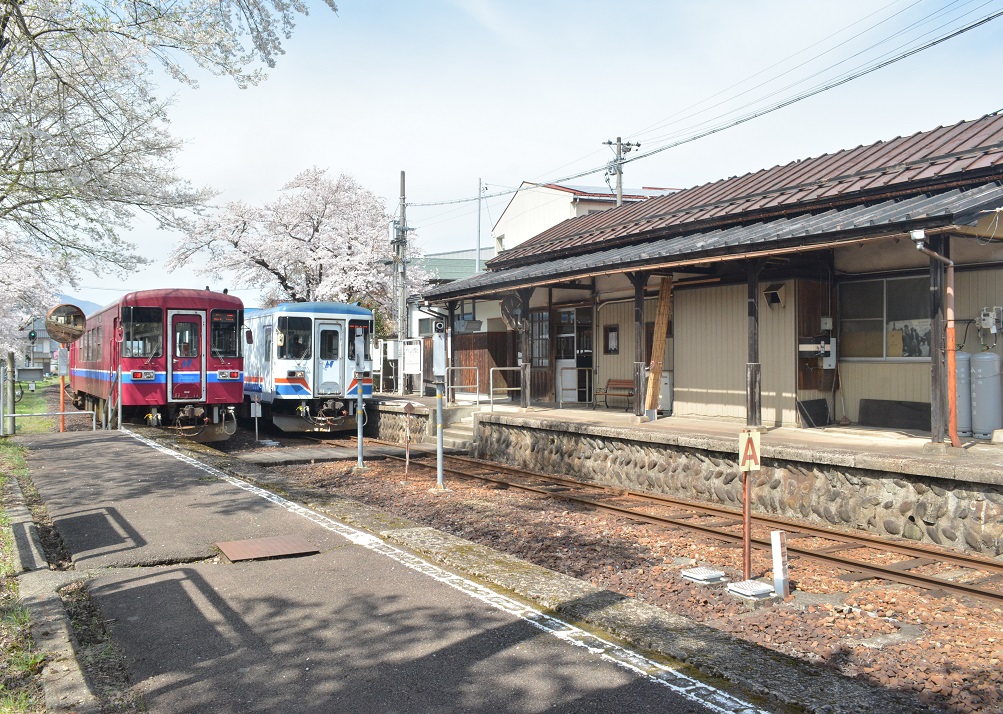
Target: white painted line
[(710, 697)]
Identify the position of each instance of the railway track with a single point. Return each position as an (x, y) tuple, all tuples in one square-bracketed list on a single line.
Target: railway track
[(861, 556)]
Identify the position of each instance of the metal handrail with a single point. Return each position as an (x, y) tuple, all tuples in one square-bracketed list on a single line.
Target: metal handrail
[(94, 416), (562, 390), (455, 387), (491, 382)]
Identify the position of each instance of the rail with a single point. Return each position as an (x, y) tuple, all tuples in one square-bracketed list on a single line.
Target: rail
[(680, 514), (491, 382), (453, 389), (563, 389)]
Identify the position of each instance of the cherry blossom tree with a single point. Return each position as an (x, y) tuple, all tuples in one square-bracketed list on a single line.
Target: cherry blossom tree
[(321, 239), (84, 141)]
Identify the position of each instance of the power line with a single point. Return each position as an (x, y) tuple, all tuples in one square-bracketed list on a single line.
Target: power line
[(817, 89), (794, 84)]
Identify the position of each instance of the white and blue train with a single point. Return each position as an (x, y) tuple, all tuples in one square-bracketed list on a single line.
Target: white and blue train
[(306, 364)]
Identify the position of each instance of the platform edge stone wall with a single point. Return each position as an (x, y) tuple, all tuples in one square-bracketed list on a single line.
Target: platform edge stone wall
[(965, 515), (387, 422)]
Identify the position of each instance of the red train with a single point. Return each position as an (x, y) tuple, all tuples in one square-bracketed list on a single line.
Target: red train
[(181, 353)]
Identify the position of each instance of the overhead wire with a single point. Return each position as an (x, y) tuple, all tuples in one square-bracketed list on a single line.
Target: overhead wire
[(818, 89), (846, 77), (826, 69), (658, 124)]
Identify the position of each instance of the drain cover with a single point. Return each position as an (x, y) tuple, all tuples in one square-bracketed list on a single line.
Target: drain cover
[(703, 575), (259, 548), (750, 589)]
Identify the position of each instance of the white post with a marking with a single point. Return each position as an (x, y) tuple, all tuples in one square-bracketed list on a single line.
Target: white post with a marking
[(781, 581)]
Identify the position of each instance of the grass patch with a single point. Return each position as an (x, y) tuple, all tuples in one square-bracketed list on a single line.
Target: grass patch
[(35, 403), (20, 663)]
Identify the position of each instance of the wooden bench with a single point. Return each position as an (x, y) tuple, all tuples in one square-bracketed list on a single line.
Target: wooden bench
[(615, 388)]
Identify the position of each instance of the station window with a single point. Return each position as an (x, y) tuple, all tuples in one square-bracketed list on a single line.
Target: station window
[(143, 329), (887, 318), (293, 338), (225, 335), (424, 326), (611, 339), (539, 323)]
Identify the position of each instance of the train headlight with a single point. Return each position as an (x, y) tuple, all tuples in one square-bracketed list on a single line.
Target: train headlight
[(140, 375), (296, 373), (228, 374)]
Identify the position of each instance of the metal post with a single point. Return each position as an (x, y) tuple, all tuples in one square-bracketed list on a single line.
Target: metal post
[(753, 381), (9, 388), (62, 388), (477, 253), (439, 483), (402, 326), (358, 419), (3, 400), (638, 280), (120, 397), (747, 526), (524, 398), (937, 394)]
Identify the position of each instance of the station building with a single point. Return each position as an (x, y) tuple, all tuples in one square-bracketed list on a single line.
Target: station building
[(810, 269)]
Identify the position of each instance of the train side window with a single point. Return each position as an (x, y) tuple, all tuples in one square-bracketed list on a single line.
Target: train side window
[(295, 333), (143, 329), (268, 344), (186, 339), (330, 344)]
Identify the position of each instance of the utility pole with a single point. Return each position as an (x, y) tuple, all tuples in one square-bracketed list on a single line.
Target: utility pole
[(400, 273), (616, 166), (477, 256)]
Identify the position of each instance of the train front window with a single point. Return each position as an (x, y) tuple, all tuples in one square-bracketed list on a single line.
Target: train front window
[(224, 340), (293, 339), (186, 339), (143, 329)]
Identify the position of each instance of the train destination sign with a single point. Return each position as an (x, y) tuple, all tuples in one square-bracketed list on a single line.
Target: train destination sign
[(65, 323)]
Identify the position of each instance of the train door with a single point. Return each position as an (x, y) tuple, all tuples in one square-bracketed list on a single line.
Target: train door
[(267, 369), (330, 366), (186, 366)]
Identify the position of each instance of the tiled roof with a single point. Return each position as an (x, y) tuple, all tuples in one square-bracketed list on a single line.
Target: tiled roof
[(790, 233), (963, 154)]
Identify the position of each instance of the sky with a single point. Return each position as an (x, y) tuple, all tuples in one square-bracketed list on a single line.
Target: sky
[(452, 91)]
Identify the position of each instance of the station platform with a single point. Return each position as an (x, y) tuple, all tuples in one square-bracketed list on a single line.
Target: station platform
[(361, 625)]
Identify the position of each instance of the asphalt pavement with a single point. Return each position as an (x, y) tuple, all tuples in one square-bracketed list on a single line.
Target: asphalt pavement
[(362, 626)]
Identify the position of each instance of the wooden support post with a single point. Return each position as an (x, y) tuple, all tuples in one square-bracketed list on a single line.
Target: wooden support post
[(662, 318)]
